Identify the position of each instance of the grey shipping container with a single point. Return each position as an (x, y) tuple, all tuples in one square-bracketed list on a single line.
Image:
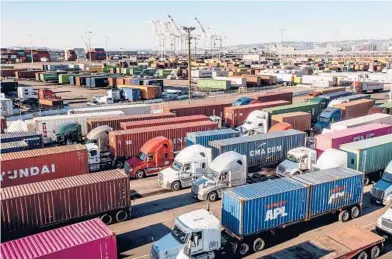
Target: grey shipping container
[(13, 147), (32, 138), (262, 149), (203, 137), (255, 208)]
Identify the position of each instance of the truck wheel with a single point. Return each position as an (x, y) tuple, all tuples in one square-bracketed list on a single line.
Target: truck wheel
[(363, 255), (121, 216), (119, 164), (366, 181), (243, 249), (213, 196), (355, 212), (344, 216), (68, 142), (258, 244), (107, 219), (176, 186), (375, 252), (139, 174)]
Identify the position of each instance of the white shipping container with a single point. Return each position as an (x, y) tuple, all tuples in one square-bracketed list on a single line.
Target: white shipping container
[(385, 78), (7, 107), (308, 79), (48, 125), (220, 74), (282, 77), (127, 109), (364, 120), (201, 73), (234, 81), (371, 85)]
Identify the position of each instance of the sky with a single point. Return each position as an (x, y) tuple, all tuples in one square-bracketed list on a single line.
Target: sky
[(127, 24)]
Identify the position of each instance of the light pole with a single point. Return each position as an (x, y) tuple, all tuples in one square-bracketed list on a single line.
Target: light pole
[(281, 46), (89, 43), (188, 31), (31, 48), (106, 47)]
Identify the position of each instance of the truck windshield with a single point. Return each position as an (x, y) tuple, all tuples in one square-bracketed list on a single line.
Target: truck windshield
[(292, 158), (142, 156), (323, 119), (387, 177), (179, 235), (211, 174), (176, 166)]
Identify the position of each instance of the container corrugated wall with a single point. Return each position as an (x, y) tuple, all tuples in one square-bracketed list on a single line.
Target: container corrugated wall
[(43, 164), (38, 204), (203, 137), (32, 138), (369, 155), (114, 121), (261, 149), (373, 118), (208, 109), (299, 120), (126, 143), (310, 107), (159, 122), (92, 239), (355, 108), (13, 147), (332, 189), (275, 96), (254, 208)]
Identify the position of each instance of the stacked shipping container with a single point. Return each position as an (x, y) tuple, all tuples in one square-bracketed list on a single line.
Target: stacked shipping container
[(159, 122)]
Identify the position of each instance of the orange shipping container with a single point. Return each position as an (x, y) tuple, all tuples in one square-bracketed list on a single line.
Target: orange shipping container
[(159, 122), (299, 120), (147, 91), (355, 109), (51, 102), (43, 164)]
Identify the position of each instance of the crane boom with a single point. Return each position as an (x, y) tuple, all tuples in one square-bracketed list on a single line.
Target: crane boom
[(174, 23), (201, 26)]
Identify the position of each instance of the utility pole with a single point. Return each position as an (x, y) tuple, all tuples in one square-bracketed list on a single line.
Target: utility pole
[(281, 46), (188, 31), (89, 43), (31, 49), (106, 47), (122, 56)]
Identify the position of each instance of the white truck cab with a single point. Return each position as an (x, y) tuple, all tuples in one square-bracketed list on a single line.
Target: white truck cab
[(200, 229), (384, 223), (97, 144), (302, 160), (190, 164), (227, 170), (255, 123)]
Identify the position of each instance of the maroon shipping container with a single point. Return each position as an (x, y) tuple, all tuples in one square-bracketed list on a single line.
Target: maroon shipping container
[(356, 108), (276, 96), (43, 164), (337, 138), (28, 206), (114, 121), (236, 115), (3, 125), (26, 74), (159, 122), (127, 143), (207, 109), (10, 72), (299, 120), (89, 240)]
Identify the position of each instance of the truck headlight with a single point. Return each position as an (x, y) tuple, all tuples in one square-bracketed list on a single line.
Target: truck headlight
[(388, 197)]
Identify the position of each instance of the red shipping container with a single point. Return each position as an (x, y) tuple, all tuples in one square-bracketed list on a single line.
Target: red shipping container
[(26, 74), (114, 121), (236, 115), (275, 96), (356, 108), (337, 138), (43, 164), (89, 239), (299, 120), (34, 205), (127, 143), (3, 124), (159, 122), (10, 72), (207, 109)]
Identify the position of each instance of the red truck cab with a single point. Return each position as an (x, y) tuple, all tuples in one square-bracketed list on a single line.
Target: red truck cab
[(155, 155)]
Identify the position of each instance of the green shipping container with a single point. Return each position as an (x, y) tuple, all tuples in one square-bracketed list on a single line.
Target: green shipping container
[(164, 72), (48, 76), (208, 84), (369, 155), (64, 78), (312, 107)]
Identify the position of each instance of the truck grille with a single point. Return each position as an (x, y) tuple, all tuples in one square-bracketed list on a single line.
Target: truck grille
[(379, 194), (386, 223), (154, 254)]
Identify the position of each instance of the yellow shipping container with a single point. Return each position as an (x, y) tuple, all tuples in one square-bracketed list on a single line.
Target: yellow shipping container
[(94, 69), (297, 80)]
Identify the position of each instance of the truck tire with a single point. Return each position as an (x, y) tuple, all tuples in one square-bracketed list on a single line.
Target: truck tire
[(375, 252), (258, 244), (107, 219), (243, 249), (139, 174), (212, 196), (119, 164), (366, 181), (354, 212), (68, 142), (344, 216), (121, 216), (363, 255), (176, 186)]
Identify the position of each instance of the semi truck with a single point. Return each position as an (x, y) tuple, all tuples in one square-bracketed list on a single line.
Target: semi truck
[(381, 192), (348, 99), (322, 91), (329, 97), (384, 223), (252, 214)]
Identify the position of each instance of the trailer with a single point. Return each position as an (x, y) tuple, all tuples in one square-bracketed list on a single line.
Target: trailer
[(367, 119)]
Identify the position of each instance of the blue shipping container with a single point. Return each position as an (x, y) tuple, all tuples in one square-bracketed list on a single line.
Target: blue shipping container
[(71, 80), (203, 137), (136, 82), (336, 95), (253, 208), (13, 147), (132, 94), (32, 138), (332, 189), (158, 82), (97, 81), (261, 149)]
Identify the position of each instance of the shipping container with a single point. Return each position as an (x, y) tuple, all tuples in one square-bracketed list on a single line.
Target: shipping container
[(147, 92), (90, 239), (32, 138), (3, 125), (203, 137), (236, 115), (251, 209), (333, 96), (8, 86), (10, 72), (275, 96), (160, 122), (337, 138), (201, 73), (13, 147), (373, 118), (26, 74), (263, 149), (207, 109), (49, 124), (51, 103), (101, 81), (235, 81), (299, 120), (213, 84), (322, 91), (43, 164), (370, 156), (355, 109), (311, 107), (114, 121), (104, 194), (127, 143), (127, 109)]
